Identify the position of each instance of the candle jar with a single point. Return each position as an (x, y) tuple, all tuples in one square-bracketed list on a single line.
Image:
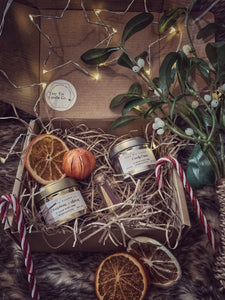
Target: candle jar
[(132, 156), (61, 201)]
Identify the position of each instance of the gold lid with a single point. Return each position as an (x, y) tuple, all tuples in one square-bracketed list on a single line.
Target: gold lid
[(56, 186), (126, 144)]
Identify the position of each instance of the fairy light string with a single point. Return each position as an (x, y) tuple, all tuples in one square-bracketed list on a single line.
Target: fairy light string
[(110, 32), (8, 4)]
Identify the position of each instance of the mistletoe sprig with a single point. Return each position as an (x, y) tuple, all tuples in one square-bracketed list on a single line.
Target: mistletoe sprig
[(202, 112)]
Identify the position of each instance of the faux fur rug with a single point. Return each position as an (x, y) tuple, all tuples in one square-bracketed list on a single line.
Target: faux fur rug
[(66, 276)]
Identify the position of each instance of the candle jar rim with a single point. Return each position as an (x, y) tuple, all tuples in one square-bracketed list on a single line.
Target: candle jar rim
[(56, 186), (128, 143)]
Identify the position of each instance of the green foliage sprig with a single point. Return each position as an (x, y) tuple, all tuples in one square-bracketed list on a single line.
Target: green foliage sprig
[(203, 113)]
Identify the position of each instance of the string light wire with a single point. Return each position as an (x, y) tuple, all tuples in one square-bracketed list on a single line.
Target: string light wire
[(8, 4), (32, 17)]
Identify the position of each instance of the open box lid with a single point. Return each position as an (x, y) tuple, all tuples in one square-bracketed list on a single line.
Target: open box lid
[(69, 37), (72, 37)]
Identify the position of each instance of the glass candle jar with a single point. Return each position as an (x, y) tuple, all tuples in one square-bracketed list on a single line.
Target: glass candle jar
[(61, 201), (132, 156)]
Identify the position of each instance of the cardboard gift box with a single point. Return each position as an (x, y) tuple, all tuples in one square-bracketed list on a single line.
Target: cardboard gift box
[(169, 230), (33, 58)]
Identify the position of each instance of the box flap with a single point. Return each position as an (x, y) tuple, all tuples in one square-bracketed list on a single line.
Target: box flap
[(72, 36)]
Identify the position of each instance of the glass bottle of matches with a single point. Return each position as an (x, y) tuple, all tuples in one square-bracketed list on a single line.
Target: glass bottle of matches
[(106, 191)]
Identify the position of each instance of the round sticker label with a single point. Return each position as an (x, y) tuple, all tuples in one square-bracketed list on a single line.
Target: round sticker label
[(60, 95)]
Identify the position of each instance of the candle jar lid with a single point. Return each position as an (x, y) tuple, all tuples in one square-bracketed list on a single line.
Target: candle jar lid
[(131, 142), (56, 186)]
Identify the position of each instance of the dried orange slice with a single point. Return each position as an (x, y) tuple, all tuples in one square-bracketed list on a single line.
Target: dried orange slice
[(163, 268), (43, 158), (121, 276)]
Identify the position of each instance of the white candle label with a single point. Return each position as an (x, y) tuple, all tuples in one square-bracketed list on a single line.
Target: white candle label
[(60, 95), (136, 159), (62, 207)]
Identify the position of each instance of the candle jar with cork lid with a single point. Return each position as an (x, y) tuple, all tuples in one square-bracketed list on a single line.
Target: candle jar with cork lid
[(107, 193)]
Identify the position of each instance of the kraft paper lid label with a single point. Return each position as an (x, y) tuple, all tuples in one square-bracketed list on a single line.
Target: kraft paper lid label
[(60, 95)]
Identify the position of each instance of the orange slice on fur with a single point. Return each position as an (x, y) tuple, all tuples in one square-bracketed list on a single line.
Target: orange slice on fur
[(43, 158), (121, 276), (163, 268)]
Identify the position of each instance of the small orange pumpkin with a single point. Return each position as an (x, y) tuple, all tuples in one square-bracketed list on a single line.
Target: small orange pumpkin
[(78, 163)]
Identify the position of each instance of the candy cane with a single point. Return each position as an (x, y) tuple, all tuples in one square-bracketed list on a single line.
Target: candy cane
[(4, 201), (190, 192)]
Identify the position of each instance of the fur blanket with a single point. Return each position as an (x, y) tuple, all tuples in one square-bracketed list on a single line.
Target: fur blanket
[(71, 275)]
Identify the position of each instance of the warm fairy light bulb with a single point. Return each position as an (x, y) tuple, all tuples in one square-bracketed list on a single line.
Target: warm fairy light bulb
[(96, 76), (3, 160), (148, 72), (172, 30), (31, 18), (44, 71), (102, 64), (43, 84), (97, 11), (114, 30)]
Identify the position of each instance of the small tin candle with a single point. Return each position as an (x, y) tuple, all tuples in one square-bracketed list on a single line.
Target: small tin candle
[(61, 201), (132, 156)]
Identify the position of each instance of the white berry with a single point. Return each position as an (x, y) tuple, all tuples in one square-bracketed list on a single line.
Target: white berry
[(214, 103), (155, 126), (207, 98), (194, 104), (189, 131), (141, 62), (136, 69), (187, 49), (160, 131)]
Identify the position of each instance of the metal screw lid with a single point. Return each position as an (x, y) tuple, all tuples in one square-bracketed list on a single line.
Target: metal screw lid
[(131, 142), (56, 186)]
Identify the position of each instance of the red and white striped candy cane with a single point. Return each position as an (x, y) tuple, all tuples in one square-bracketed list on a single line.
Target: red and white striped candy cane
[(4, 203), (190, 192)]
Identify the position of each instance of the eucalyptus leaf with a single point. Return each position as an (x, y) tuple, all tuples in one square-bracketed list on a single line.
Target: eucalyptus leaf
[(156, 81), (142, 55), (209, 29), (166, 73), (169, 18), (216, 55), (135, 88), (136, 24), (204, 117), (123, 98), (125, 61), (174, 104), (222, 115), (200, 64), (192, 5), (97, 56), (183, 67), (154, 104), (117, 100), (220, 77), (122, 121), (132, 104), (199, 171)]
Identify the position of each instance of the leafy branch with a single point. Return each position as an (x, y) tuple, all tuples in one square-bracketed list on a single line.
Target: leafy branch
[(204, 116)]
